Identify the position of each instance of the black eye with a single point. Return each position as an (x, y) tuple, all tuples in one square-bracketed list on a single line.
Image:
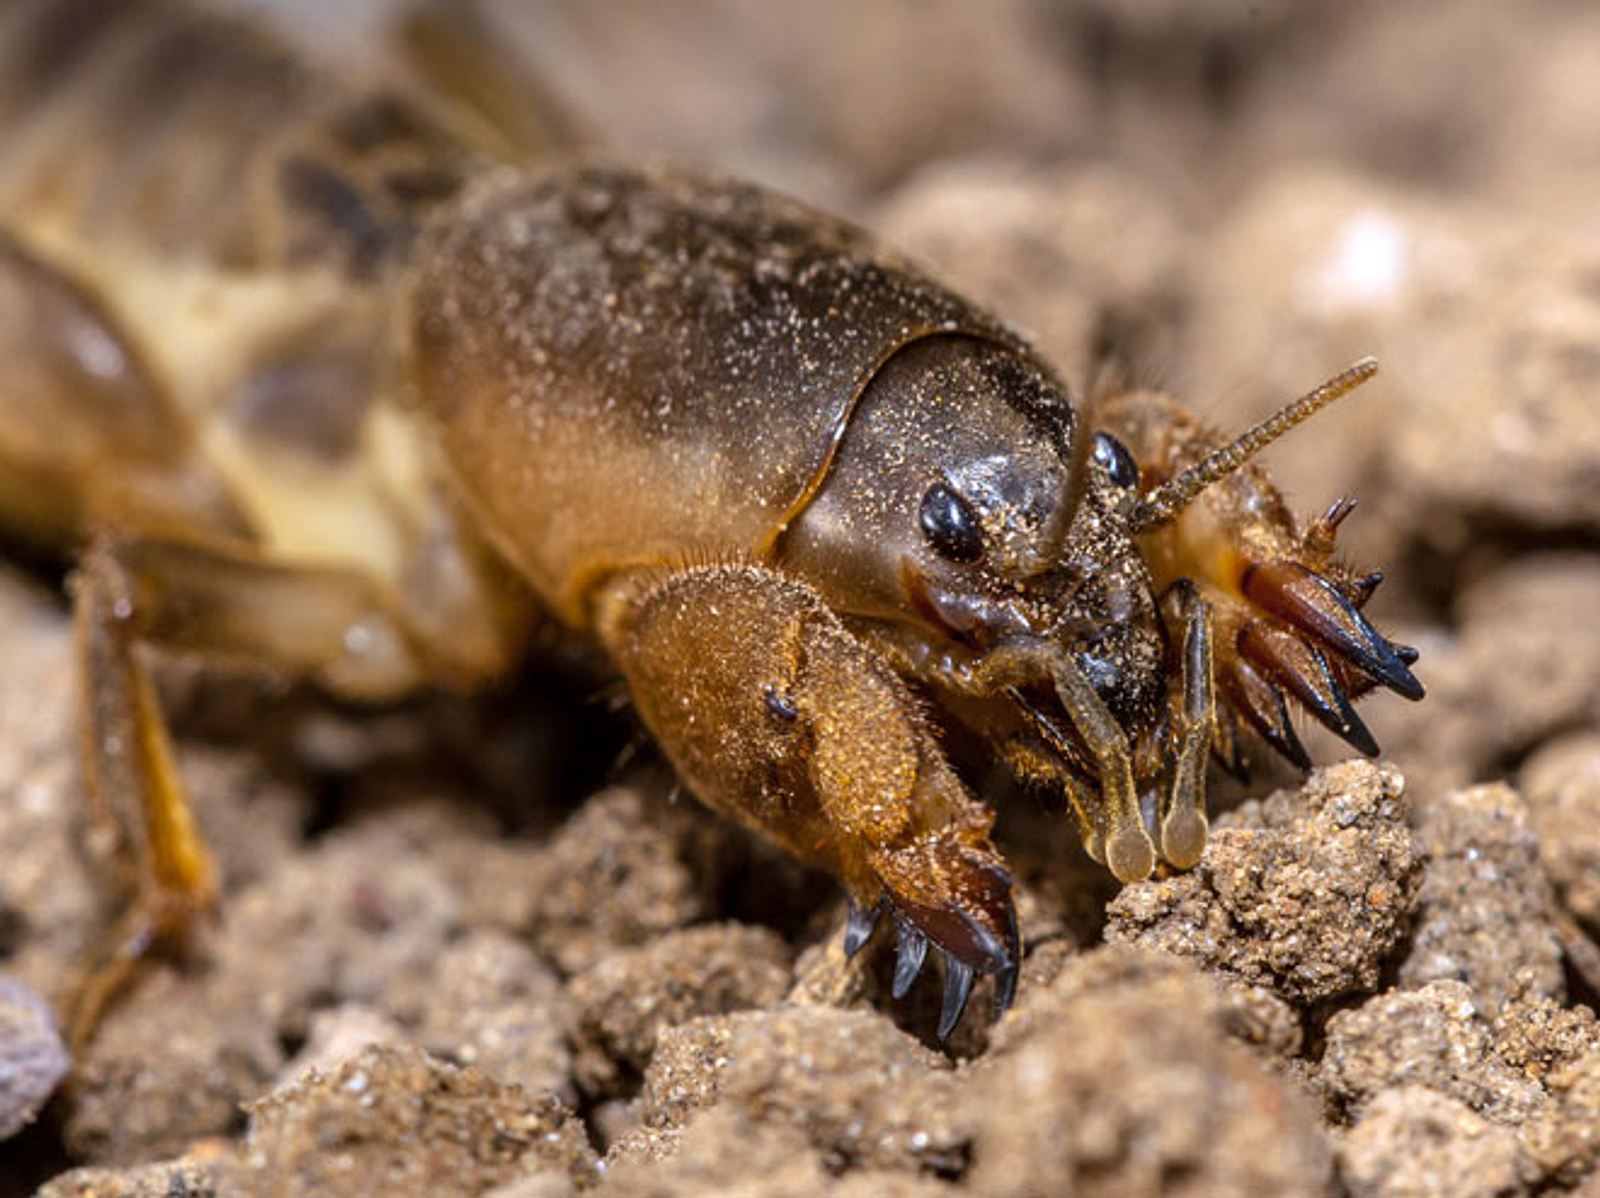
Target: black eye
[(1113, 457), (951, 525)]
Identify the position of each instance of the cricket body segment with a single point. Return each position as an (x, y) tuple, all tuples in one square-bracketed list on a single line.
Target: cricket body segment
[(342, 385)]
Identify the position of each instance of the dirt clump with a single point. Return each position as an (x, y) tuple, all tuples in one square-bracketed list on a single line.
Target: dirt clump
[(1131, 1084), (1562, 785), (857, 1089), (625, 1002), (1434, 1036), (1483, 913), (1413, 1140), (197, 1177), (1306, 894), (215, 1053), (402, 1120)]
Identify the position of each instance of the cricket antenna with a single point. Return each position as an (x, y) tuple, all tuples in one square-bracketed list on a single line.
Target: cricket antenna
[(1167, 501)]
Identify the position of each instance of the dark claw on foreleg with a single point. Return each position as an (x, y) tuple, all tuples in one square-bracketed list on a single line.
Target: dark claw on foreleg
[(1265, 709), (860, 925), (973, 926), (1005, 977), (957, 989), (1312, 605), (1296, 630), (1363, 587), (910, 949), (1302, 670)]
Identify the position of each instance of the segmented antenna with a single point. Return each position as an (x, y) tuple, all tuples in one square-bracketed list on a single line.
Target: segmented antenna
[(1167, 501)]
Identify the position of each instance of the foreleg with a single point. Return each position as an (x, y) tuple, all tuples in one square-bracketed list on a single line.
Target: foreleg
[(779, 717), (1286, 612)]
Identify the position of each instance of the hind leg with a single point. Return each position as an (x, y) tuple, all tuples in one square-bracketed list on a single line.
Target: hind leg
[(87, 435), (227, 603)]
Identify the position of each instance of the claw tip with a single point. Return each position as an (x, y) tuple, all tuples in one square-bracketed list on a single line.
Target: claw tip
[(911, 949), (1005, 989), (858, 928), (957, 989)]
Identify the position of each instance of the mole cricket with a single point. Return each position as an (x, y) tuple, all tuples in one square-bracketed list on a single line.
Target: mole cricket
[(347, 383)]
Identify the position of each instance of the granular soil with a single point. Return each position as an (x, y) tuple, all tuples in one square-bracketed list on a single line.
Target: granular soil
[(452, 957)]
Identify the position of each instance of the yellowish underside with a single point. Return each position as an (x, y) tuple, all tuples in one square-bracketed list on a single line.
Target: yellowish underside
[(199, 327)]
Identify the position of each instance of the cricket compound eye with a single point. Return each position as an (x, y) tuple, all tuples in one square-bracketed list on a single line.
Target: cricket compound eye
[(1113, 457), (951, 526)]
